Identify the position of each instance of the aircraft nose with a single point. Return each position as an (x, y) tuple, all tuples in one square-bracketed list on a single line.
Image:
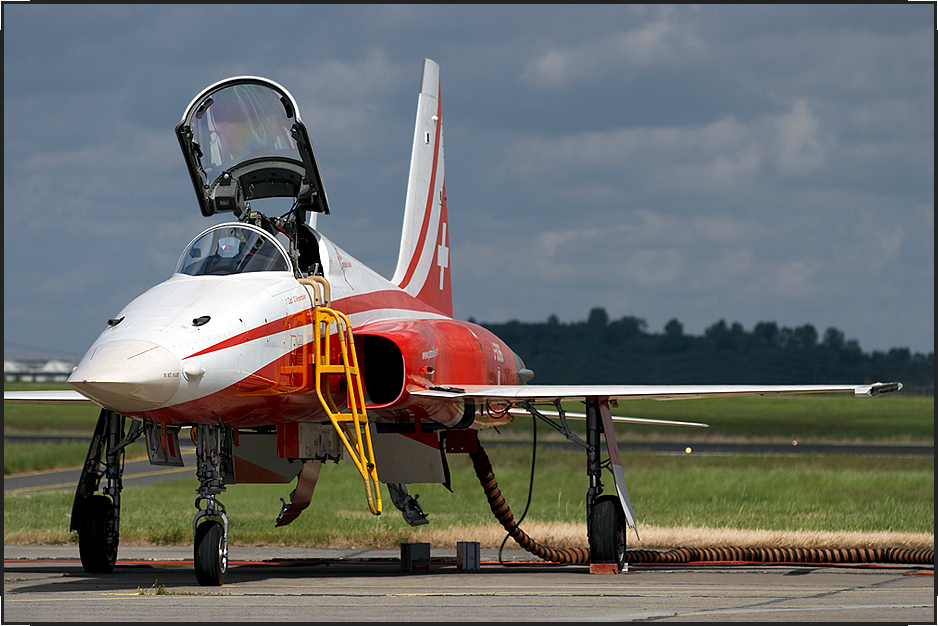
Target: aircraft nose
[(127, 376)]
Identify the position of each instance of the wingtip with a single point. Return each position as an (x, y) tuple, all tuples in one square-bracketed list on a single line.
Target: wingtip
[(878, 389)]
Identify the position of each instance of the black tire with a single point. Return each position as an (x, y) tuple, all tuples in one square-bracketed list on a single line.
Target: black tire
[(607, 528), (211, 555), (97, 555)]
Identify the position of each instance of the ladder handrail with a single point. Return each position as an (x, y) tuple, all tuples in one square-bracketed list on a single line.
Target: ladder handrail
[(317, 283), (354, 423)]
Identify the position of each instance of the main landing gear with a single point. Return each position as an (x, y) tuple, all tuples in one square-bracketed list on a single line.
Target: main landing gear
[(95, 516), (607, 521), (608, 516)]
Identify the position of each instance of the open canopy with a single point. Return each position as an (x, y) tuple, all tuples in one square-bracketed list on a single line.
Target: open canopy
[(243, 139)]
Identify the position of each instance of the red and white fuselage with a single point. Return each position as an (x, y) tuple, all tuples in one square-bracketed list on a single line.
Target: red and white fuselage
[(220, 342), (157, 363)]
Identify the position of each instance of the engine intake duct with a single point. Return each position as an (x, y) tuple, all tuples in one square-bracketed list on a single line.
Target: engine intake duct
[(383, 369)]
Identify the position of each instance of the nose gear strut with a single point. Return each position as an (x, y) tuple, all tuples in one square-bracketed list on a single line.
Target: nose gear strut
[(213, 454)]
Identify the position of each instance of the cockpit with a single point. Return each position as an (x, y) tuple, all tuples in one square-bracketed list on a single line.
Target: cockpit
[(233, 249), (244, 141)]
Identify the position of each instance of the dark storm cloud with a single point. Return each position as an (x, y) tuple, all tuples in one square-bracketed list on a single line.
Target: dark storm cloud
[(749, 163)]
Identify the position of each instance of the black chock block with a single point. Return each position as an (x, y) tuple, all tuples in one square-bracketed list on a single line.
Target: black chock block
[(415, 557)]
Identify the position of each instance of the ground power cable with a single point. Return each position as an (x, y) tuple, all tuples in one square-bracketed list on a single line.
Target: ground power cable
[(530, 491), (483, 469), (486, 476)]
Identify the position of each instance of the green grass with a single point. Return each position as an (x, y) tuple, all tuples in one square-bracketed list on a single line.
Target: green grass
[(34, 457), (809, 418), (27, 457), (60, 419), (804, 492)]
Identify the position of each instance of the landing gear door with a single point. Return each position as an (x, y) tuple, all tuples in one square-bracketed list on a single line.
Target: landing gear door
[(243, 139), (163, 444)]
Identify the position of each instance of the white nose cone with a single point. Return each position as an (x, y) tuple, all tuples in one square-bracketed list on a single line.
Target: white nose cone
[(127, 376)]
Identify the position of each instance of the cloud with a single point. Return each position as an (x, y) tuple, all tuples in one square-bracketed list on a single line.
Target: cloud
[(713, 157), (757, 162), (352, 82), (95, 187), (655, 267), (663, 41), (632, 248), (795, 278), (798, 146)]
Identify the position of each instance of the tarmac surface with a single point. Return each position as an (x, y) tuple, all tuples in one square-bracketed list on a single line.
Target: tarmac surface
[(277, 584)]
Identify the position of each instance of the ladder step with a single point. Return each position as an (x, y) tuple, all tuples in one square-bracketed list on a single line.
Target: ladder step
[(337, 369)]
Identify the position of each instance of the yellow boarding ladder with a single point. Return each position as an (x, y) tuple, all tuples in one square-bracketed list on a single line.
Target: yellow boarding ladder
[(352, 426)]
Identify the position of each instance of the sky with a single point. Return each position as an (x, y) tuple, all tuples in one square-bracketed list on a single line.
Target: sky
[(744, 163)]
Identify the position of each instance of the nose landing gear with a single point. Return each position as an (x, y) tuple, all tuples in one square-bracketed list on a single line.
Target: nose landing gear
[(210, 554)]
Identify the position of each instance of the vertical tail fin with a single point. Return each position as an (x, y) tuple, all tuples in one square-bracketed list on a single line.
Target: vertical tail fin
[(423, 263)]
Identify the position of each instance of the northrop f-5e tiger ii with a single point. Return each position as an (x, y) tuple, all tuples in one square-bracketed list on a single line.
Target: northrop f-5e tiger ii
[(279, 350)]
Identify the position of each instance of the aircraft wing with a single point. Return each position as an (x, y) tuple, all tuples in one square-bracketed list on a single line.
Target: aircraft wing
[(52, 396), (547, 393)]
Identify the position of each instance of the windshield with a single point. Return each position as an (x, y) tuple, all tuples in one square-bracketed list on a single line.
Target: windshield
[(232, 249), (240, 123)]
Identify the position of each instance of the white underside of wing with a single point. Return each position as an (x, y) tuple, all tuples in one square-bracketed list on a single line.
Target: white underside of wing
[(518, 393), (52, 396)]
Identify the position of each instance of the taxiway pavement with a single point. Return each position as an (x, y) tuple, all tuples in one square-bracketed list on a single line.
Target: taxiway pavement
[(277, 584)]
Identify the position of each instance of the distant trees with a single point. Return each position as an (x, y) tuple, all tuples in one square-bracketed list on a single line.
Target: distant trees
[(603, 351), (598, 318)]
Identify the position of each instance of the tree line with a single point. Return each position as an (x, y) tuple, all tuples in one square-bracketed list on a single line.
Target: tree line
[(603, 351)]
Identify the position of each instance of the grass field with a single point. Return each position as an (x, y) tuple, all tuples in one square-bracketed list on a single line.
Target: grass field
[(813, 494), (811, 418), (676, 498)]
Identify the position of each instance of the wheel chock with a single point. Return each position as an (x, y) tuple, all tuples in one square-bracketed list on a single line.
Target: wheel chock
[(607, 568), (415, 557), (467, 555)]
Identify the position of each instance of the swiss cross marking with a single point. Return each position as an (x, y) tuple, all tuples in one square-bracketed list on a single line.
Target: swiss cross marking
[(442, 255)]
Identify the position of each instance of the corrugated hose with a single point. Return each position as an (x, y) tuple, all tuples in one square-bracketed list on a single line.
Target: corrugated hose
[(483, 469)]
